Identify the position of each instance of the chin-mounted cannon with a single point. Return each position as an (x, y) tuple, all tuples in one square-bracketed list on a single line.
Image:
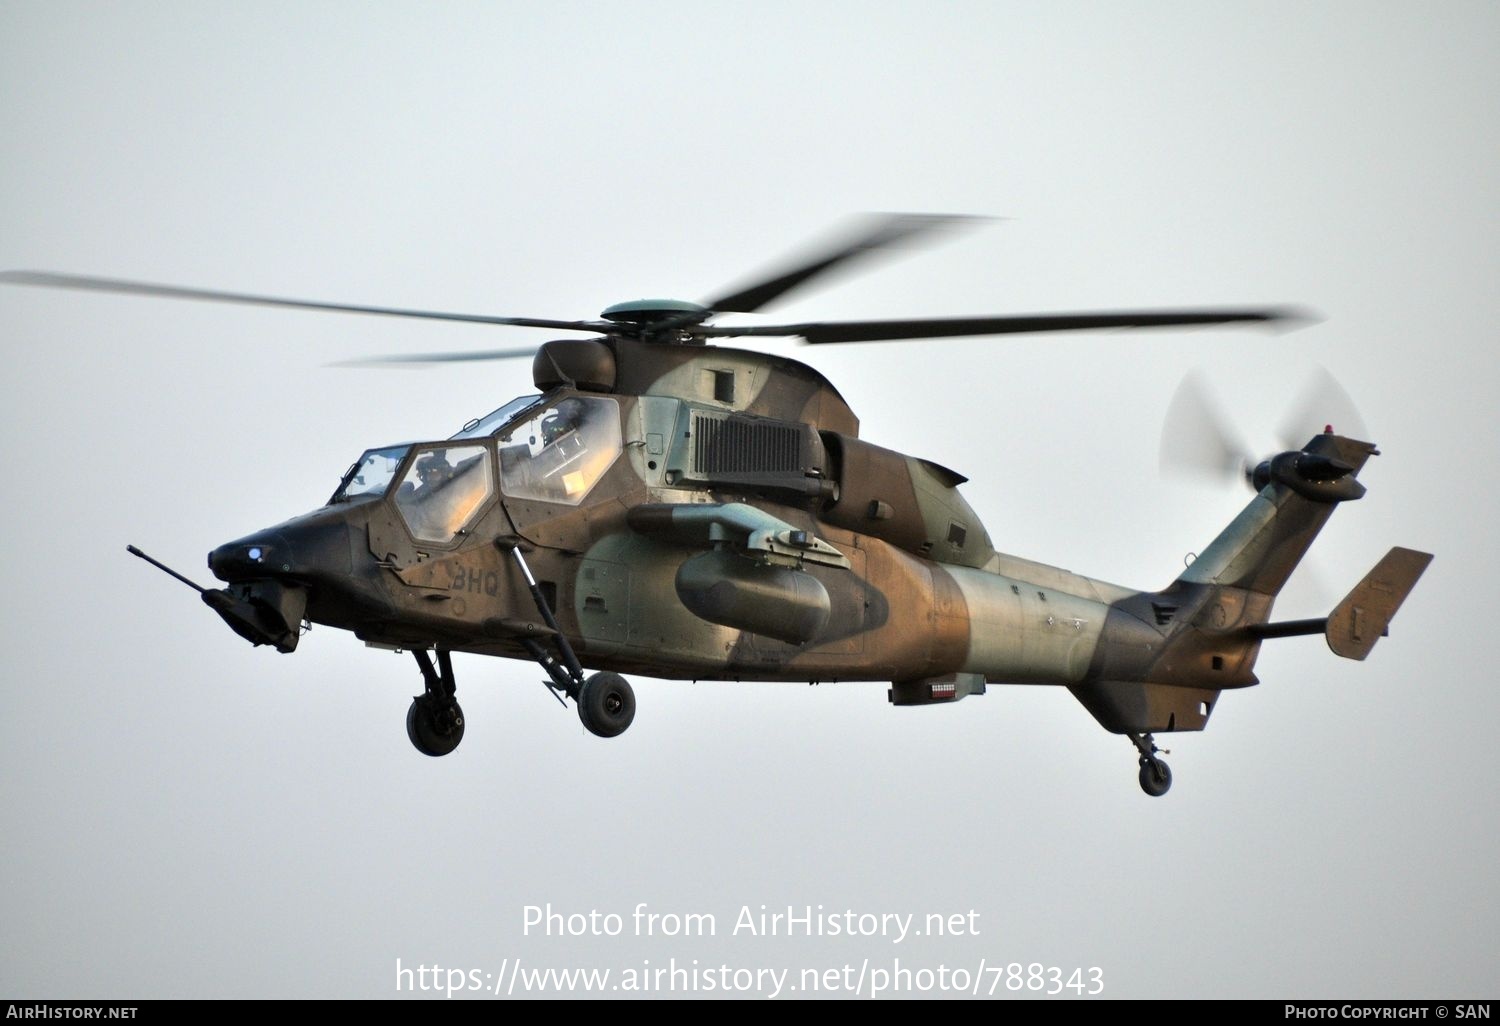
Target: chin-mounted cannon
[(262, 612)]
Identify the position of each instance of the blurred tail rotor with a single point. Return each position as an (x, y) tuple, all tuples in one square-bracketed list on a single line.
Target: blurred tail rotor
[(1199, 441), (1321, 404)]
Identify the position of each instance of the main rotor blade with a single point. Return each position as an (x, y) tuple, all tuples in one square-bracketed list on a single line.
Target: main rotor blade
[(876, 232), (406, 359), (141, 288), (824, 332)]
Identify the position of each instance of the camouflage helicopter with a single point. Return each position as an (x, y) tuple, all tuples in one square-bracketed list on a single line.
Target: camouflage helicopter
[(668, 507)]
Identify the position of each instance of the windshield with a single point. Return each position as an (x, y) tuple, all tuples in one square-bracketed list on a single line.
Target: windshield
[(483, 426), (372, 474), (444, 490), (559, 454)]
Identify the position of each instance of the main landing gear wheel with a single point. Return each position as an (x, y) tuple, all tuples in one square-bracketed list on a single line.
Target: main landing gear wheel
[(1156, 777), (435, 727), (606, 704), (435, 723)]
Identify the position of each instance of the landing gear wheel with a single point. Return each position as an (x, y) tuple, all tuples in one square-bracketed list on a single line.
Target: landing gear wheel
[(606, 704), (434, 727), (1156, 777)]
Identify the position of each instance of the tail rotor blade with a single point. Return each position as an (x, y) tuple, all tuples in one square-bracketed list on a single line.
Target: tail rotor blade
[(1322, 403), (1196, 438)]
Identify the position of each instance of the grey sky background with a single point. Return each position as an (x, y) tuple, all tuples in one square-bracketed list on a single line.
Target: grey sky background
[(187, 816)]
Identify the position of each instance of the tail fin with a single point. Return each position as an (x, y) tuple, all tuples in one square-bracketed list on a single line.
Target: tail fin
[(1362, 618), (1298, 492), (1164, 657)]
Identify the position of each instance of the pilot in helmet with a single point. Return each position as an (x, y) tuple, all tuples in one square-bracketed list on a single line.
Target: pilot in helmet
[(433, 469), (566, 416)]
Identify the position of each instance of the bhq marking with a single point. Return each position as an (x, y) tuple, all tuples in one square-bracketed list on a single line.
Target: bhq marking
[(476, 581)]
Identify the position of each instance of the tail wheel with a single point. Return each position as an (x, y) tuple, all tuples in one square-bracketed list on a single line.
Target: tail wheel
[(606, 704)]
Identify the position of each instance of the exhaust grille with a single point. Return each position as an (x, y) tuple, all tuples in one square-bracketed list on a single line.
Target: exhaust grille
[(740, 445)]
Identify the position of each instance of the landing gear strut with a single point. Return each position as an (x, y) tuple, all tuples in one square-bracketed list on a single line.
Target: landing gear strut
[(1156, 776), (606, 702), (435, 723)]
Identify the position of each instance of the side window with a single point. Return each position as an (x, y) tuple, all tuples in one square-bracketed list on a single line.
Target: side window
[(444, 490), (562, 452)]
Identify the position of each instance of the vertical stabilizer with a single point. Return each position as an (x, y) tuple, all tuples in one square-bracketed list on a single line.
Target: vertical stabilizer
[(1363, 617), (1299, 490)]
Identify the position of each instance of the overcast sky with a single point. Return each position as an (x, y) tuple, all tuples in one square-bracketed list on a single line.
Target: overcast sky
[(187, 816)]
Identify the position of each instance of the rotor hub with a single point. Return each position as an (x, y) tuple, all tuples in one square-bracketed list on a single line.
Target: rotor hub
[(649, 311)]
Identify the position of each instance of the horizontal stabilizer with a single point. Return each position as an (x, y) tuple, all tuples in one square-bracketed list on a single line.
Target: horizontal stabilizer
[(1362, 618)]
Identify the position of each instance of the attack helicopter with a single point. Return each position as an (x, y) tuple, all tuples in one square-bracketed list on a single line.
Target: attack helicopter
[(669, 506)]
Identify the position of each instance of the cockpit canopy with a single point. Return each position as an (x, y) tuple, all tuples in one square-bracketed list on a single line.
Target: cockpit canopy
[(371, 474), (444, 489), (538, 451), (558, 453), (482, 427)]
